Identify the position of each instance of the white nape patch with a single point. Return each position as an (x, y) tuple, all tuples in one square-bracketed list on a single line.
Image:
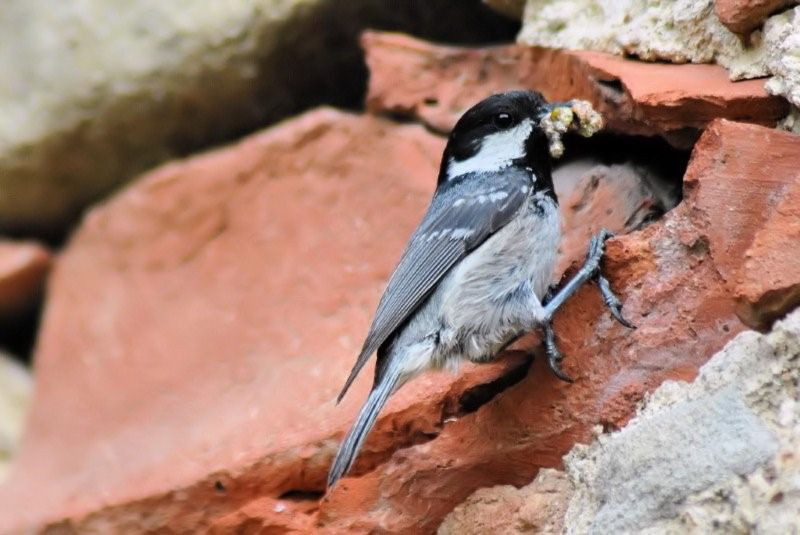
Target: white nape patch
[(497, 152)]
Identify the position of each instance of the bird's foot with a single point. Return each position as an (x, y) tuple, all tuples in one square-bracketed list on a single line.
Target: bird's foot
[(589, 271), (553, 300), (595, 255)]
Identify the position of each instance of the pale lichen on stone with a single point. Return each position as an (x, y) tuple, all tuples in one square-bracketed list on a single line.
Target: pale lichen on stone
[(782, 38), (683, 31)]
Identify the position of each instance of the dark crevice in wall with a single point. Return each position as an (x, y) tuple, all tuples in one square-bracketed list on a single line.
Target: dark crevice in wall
[(18, 332), (659, 163), (477, 396), (302, 495)]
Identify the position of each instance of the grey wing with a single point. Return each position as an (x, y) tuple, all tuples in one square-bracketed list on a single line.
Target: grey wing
[(462, 215)]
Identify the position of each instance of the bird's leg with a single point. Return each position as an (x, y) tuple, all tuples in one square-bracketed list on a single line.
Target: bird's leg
[(589, 270), (554, 356), (552, 301)]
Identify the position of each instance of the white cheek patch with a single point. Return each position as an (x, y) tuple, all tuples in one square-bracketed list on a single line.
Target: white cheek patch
[(497, 152)]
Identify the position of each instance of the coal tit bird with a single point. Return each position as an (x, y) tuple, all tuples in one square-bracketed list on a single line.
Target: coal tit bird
[(475, 272)]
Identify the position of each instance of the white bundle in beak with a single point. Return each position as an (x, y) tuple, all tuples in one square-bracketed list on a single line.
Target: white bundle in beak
[(575, 115)]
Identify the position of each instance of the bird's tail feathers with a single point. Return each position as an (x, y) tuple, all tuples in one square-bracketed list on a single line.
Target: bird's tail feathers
[(352, 443)]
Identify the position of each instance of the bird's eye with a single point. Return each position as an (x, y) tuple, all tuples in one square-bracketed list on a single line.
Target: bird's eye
[(503, 120)]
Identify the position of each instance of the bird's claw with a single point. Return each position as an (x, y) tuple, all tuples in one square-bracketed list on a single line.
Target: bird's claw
[(597, 245), (554, 356), (612, 301), (595, 254)]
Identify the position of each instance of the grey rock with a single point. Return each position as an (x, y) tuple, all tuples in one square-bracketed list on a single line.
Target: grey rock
[(719, 454), (782, 39), (93, 92), (643, 473)]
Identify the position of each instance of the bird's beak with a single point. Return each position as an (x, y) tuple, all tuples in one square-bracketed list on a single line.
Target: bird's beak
[(548, 107)]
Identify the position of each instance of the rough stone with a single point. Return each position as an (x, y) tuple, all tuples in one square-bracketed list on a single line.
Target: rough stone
[(15, 393), (95, 91), (433, 83), (23, 268), (782, 37), (437, 84), (656, 462), (744, 16), (535, 508), (676, 31), (754, 242), (769, 280), (679, 31), (744, 482)]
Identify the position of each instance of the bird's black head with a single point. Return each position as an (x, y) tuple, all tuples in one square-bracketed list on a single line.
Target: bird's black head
[(497, 132)]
